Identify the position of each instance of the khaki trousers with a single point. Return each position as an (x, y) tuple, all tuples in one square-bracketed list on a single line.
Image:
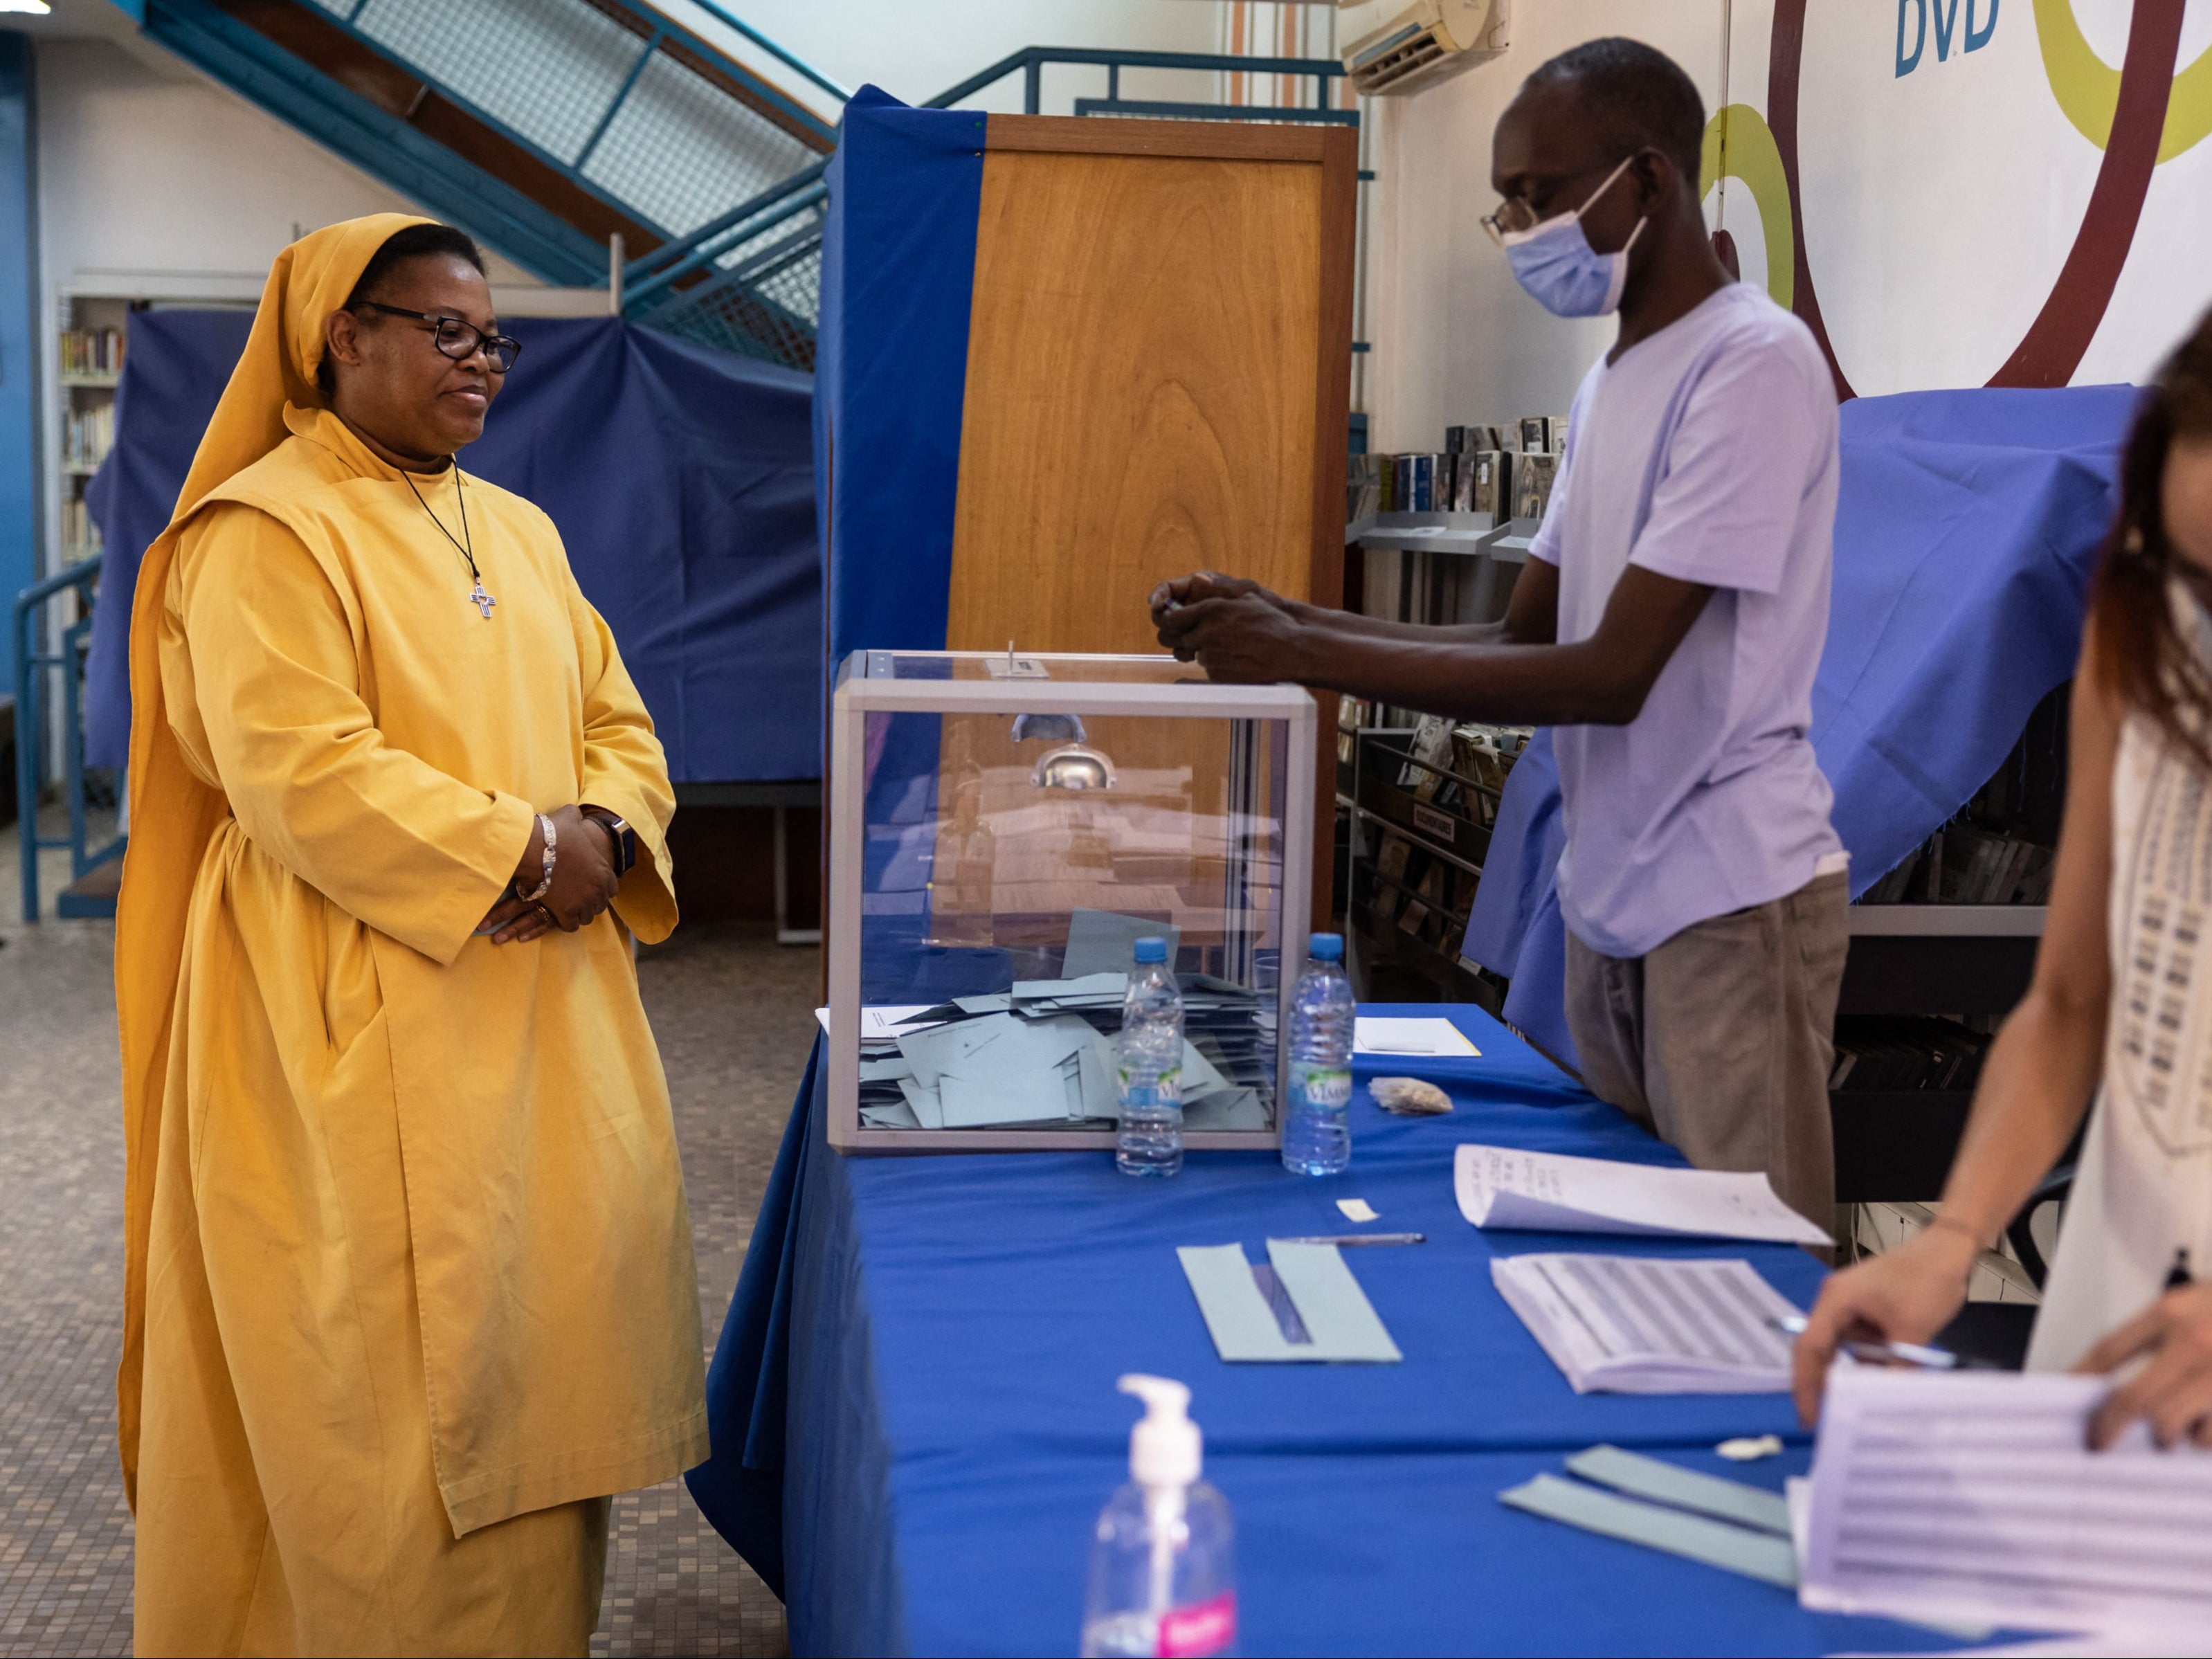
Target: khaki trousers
[(1720, 1040)]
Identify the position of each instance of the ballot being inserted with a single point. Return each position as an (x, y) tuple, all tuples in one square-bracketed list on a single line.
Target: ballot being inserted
[(1634, 1324), (1551, 1191), (1971, 1495)]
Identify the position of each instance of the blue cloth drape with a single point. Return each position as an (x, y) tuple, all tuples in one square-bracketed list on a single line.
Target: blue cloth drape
[(681, 480), (898, 271), (1966, 531)]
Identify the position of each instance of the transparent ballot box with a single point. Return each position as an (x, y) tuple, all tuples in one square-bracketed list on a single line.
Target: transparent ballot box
[(1002, 829)]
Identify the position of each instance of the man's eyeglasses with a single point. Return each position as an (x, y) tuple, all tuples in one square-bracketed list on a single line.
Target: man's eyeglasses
[(460, 340), (1513, 217)]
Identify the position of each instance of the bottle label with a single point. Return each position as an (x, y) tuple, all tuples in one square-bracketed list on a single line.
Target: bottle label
[(1198, 1631), (1327, 1087)]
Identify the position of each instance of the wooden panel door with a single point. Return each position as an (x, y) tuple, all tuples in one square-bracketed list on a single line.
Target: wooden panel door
[(1158, 372)]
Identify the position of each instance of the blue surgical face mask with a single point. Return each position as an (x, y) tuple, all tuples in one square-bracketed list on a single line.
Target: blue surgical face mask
[(1555, 263)]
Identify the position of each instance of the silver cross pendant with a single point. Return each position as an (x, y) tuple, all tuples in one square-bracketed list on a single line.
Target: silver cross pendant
[(482, 601)]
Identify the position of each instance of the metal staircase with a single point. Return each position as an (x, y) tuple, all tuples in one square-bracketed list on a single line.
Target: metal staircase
[(550, 128)]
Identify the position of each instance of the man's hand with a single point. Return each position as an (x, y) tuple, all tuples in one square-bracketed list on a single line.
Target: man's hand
[(1208, 585), (584, 881), (1904, 1295), (1238, 641), (2173, 1392)]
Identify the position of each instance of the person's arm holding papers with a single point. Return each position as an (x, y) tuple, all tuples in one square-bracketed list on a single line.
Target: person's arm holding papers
[(2033, 1092)]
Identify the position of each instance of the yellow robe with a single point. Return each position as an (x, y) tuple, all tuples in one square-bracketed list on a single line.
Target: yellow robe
[(417, 1278)]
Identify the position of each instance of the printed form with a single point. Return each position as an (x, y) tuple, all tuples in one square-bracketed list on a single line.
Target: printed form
[(1551, 1191), (1971, 1497), (1635, 1324)]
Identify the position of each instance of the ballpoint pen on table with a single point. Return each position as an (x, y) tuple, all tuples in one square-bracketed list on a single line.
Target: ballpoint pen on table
[(1358, 1238)]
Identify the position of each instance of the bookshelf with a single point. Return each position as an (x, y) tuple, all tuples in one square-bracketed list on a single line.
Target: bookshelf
[(88, 366)]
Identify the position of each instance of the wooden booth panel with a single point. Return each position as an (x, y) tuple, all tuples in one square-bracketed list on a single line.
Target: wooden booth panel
[(1159, 358)]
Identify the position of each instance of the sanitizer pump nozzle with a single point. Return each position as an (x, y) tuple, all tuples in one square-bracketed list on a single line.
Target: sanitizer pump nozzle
[(1165, 1448)]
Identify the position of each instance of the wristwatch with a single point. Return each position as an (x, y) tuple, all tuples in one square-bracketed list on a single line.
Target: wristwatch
[(623, 837)]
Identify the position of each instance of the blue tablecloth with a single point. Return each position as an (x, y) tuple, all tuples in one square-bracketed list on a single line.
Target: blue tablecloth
[(915, 1420)]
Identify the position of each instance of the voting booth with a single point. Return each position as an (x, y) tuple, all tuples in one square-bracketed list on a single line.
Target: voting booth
[(1064, 359), (1003, 829)]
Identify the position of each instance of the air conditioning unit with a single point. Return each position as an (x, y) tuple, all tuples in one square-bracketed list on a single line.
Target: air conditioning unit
[(1425, 42)]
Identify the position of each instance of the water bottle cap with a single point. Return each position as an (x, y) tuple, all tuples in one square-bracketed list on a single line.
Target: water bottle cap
[(1326, 947), (1152, 950), (1165, 1448)]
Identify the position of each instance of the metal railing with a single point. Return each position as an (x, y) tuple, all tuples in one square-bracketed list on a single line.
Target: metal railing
[(33, 667), (750, 280)]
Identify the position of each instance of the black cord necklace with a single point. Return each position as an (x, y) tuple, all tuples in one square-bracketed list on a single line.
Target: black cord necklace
[(467, 548)]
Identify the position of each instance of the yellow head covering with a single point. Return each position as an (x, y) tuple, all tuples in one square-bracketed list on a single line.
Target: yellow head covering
[(173, 814)]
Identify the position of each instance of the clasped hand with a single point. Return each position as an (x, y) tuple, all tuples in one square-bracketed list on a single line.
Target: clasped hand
[(584, 881), (1236, 629)]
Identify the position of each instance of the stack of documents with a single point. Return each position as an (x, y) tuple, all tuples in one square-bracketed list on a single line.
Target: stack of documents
[(1551, 1191), (1970, 1497), (1375, 1033), (1628, 1324), (1042, 1053)]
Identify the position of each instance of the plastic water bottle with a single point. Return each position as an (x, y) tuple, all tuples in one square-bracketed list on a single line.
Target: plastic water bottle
[(1148, 1059), (1317, 1117), (1163, 1561)]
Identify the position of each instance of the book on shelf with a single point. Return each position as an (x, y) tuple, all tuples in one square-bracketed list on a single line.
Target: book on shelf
[(1533, 475), (1535, 434), (1491, 489), (1363, 486), (92, 351), (88, 434), (79, 533), (1902, 1053)]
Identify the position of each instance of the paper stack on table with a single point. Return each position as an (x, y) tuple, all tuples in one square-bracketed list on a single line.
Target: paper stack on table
[(1632, 1324), (1971, 1497), (1374, 1033), (1042, 1052), (1551, 1191)]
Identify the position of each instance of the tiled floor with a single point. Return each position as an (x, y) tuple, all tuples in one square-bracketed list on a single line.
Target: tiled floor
[(732, 1013)]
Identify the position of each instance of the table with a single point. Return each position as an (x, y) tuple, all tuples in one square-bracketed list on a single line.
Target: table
[(915, 1421)]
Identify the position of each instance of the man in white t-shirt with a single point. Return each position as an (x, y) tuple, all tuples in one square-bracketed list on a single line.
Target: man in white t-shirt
[(1669, 624)]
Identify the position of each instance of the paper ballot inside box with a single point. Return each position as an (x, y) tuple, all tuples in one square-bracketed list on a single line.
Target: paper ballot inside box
[(1504, 1187)]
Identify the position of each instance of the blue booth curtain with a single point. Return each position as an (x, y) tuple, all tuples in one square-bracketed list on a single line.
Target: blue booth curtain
[(681, 480)]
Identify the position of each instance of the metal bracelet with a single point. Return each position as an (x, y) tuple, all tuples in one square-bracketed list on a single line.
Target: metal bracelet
[(545, 869)]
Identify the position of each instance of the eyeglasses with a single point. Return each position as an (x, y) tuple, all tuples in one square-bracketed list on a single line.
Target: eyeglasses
[(1514, 213), (1514, 216), (460, 340)]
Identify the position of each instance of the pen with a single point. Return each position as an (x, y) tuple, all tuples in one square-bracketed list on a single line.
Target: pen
[(1358, 1238), (1879, 1353)]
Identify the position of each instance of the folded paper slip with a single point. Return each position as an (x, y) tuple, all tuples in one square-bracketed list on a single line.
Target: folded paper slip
[(1550, 1191), (1302, 1304), (1625, 1324), (1971, 1497), (1715, 1543)]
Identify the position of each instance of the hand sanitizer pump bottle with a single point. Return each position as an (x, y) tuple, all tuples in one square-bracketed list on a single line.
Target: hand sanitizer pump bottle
[(1163, 1561)]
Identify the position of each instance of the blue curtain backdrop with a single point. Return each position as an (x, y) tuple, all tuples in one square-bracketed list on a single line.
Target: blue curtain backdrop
[(898, 273), (1966, 530), (682, 481)]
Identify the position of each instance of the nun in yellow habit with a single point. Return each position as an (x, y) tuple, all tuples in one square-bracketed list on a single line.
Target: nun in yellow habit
[(410, 1283)]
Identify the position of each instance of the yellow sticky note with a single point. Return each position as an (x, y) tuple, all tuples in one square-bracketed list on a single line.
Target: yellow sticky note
[(1357, 1209)]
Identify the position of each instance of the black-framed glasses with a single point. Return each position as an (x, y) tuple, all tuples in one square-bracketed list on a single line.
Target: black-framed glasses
[(458, 339)]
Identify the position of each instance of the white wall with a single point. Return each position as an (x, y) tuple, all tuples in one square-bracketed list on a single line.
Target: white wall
[(158, 182), (915, 49), (1938, 205), (1453, 338)]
